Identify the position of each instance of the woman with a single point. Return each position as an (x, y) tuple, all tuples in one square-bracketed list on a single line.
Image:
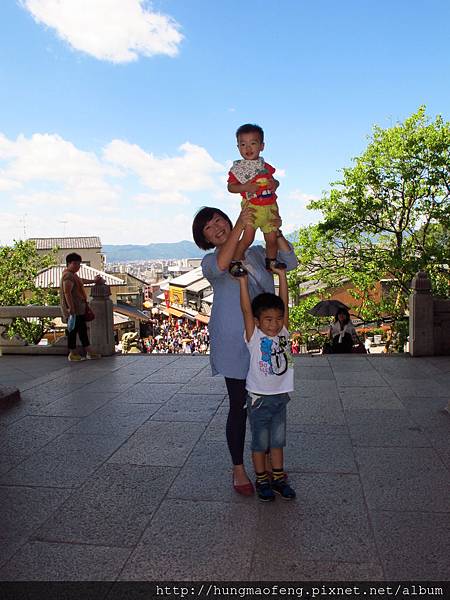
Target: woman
[(342, 333), (228, 353)]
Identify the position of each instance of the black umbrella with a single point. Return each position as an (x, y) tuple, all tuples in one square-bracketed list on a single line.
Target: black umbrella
[(326, 308)]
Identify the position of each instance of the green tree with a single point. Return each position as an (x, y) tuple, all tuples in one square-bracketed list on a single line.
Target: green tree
[(387, 218), (19, 265)]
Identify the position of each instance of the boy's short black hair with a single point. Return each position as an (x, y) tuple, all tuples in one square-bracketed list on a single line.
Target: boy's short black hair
[(266, 301), (202, 217), (250, 128), (71, 257)]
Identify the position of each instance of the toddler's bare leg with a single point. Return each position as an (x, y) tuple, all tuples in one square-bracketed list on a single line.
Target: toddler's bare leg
[(271, 244)]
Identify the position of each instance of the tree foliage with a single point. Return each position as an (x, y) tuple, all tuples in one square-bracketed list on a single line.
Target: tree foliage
[(19, 265), (387, 218)]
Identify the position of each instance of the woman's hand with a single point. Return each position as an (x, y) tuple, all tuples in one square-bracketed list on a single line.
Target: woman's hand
[(246, 216)]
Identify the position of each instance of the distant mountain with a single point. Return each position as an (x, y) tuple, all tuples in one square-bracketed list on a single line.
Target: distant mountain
[(184, 249), (128, 252)]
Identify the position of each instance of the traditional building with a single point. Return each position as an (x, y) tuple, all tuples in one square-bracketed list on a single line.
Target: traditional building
[(89, 248)]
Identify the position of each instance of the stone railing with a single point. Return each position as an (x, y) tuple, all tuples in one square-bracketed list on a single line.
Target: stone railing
[(101, 329), (429, 320)]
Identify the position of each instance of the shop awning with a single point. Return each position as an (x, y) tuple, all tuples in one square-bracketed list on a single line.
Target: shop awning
[(175, 312), (202, 318)]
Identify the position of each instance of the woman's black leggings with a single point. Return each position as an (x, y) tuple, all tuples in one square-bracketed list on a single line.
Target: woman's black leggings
[(81, 329), (236, 419)]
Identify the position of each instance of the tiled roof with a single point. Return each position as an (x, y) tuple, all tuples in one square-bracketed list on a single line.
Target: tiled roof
[(199, 286), (67, 243), (187, 278), (51, 277), (130, 311)]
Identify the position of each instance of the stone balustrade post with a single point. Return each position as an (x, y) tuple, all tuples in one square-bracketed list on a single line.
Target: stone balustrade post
[(101, 332), (421, 335)]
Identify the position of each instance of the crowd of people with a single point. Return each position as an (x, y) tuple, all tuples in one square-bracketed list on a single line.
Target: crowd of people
[(169, 335)]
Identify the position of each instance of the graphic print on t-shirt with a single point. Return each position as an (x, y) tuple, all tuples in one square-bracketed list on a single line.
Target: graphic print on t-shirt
[(274, 357)]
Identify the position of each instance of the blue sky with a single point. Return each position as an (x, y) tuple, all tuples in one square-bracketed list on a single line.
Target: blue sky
[(118, 116)]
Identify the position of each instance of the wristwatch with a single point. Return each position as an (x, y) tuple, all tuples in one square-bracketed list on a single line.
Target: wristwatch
[(279, 233)]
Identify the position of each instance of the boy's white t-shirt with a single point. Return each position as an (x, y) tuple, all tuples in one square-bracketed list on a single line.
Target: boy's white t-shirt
[(271, 368)]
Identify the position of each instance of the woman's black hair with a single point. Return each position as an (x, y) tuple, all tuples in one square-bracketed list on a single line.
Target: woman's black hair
[(266, 301), (201, 218), (342, 311)]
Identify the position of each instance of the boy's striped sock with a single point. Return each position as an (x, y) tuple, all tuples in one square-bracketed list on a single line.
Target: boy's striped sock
[(262, 477), (277, 474)]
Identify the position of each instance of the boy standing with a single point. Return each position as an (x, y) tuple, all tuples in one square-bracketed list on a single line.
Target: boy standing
[(253, 178), (269, 380)]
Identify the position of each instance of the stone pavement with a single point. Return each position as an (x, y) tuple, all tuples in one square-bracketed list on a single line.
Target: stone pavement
[(118, 470)]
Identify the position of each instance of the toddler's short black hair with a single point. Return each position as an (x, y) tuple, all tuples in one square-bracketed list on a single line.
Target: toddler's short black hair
[(251, 128), (264, 302), (72, 257)]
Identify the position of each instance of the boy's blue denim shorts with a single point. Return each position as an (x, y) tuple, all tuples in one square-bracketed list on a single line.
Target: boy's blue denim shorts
[(267, 418)]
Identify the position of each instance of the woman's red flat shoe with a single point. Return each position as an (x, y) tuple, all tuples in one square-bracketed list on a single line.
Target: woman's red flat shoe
[(245, 489)]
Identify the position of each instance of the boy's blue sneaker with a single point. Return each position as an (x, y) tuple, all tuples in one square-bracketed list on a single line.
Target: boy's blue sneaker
[(284, 489), (264, 491)]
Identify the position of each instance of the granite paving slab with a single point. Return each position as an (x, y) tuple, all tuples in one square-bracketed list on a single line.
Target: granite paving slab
[(317, 373), (23, 511), (413, 545), (174, 374), (42, 561), (64, 462), (209, 466), (419, 388), (112, 508), (159, 443), (149, 393), (352, 363), (195, 541), (308, 388), (319, 453), (318, 493), (385, 428), (323, 411), (215, 430), (338, 536), (377, 398), (76, 404), (117, 419), (186, 407), (290, 568), (435, 424), (368, 379), (26, 436), (210, 385), (400, 479), (444, 455)]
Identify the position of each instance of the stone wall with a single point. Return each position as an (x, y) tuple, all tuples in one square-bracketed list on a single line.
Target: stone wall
[(429, 320)]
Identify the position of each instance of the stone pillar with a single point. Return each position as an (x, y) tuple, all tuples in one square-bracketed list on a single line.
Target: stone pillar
[(421, 336), (101, 332)]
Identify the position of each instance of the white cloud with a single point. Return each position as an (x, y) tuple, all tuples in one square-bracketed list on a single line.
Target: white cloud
[(112, 30), (295, 213), (194, 170), (121, 192)]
